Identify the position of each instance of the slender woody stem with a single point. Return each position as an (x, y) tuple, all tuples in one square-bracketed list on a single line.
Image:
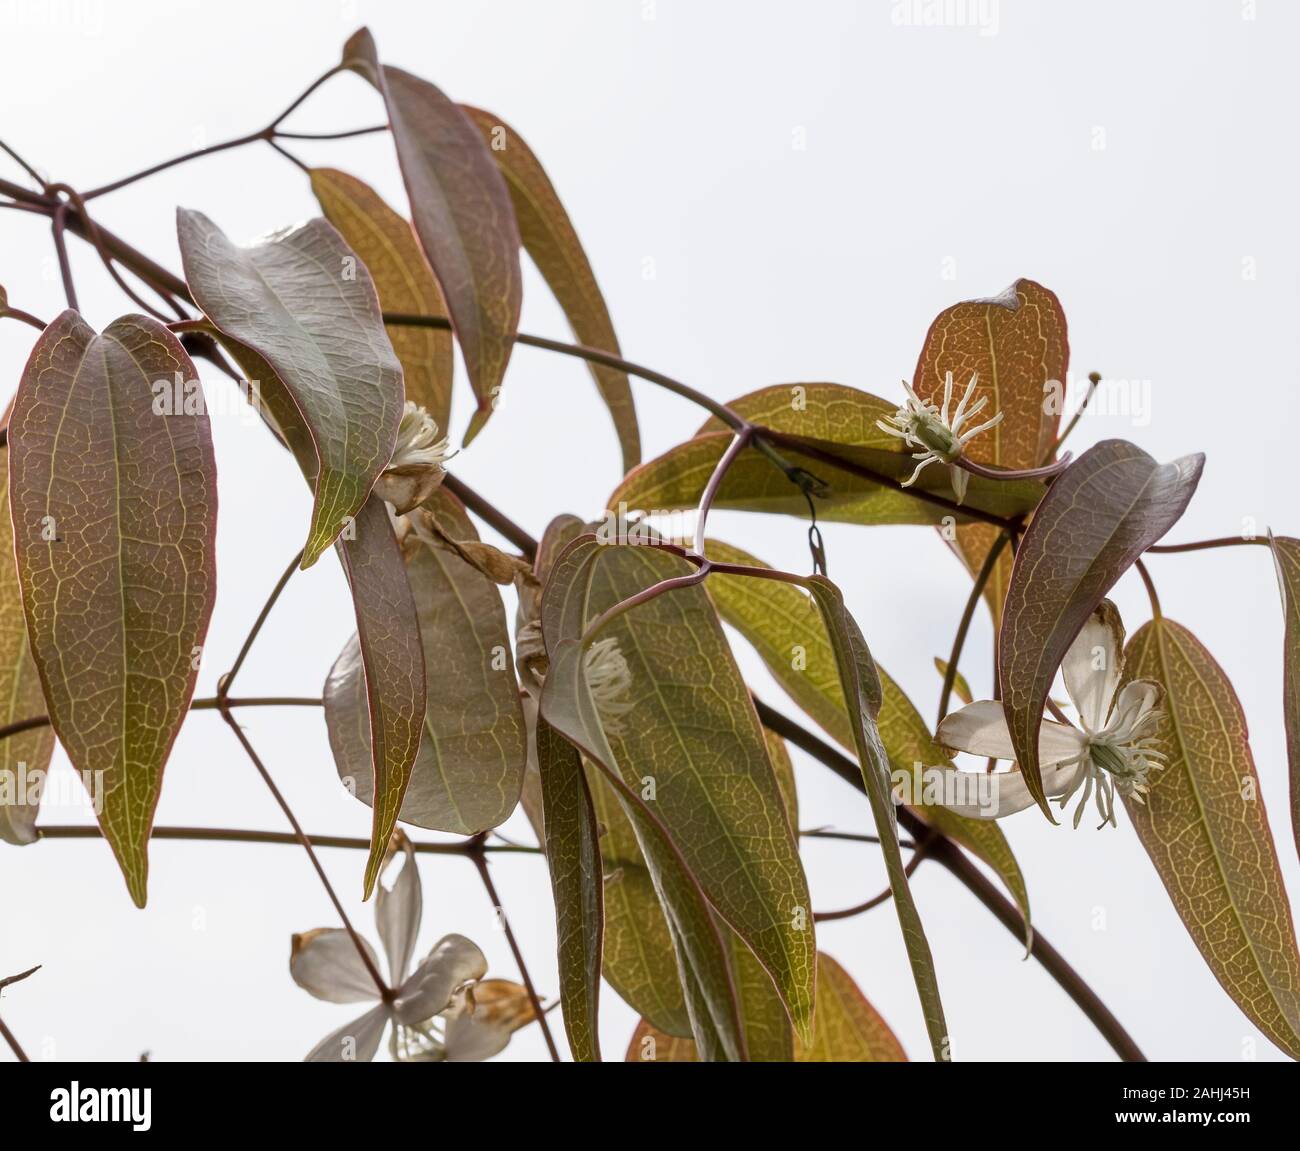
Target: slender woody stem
[(489, 887), (968, 613)]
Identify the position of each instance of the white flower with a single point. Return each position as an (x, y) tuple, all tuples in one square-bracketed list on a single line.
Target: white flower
[(418, 463), (1114, 749), (609, 680), (433, 1009), (923, 425)]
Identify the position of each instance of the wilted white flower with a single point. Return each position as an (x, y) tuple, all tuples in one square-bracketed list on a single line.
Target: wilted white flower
[(920, 424), (418, 463), (433, 1009), (1114, 749), (609, 680)]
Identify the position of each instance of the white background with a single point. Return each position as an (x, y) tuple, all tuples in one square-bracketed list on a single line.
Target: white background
[(670, 130)]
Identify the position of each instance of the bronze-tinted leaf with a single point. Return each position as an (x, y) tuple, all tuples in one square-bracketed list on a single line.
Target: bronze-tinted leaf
[(1206, 830), (826, 423), (1018, 344), (550, 239), (302, 301), (1286, 554), (847, 1029), (468, 771), (113, 493), (1100, 515), (860, 684), (462, 213), (24, 758), (573, 856), (391, 661), (691, 729), (640, 961), (405, 283), (703, 959), (788, 632)]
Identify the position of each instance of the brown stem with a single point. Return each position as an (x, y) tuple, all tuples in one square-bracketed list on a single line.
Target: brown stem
[(481, 865), (59, 227), (14, 1046), (25, 317), (23, 164), (793, 443), (1053, 961), (488, 513), (1206, 545), (1094, 378), (881, 897), (947, 853), (302, 838), (968, 613), (1047, 471), (215, 703), (242, 835), (223, 692), (267, 133), (592, 355), (1150, 586), (223, 684)]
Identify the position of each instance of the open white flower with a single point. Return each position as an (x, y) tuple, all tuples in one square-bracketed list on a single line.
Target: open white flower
[(923, 425), (432, 1009), (609, 680), (419, 460), (1114, 749)]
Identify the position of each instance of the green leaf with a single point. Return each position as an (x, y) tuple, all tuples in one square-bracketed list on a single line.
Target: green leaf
[(847, 1029), (826, 423), (1018, 344), (25, 755), (786, 629), (1206, 830), (1286, 555), (462, 213), (469, 769), (392, 669), (113, 491), (640, 962), (573, 856), (302, 302), (693, 732), (403, 280), (860, 684), (550, 239), (1099, 516)]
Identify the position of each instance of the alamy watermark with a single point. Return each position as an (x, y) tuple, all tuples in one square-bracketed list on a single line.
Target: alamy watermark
[(981, 15), (23, 786)]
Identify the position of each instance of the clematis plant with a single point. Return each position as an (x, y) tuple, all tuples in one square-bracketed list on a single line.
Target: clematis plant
[(659, 785), (434, 1010)]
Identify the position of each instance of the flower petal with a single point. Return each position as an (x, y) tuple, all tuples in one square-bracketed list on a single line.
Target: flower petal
[(354, 1042), (453, 961), (500, 1009), (981, 729), (1094, 663), (325, 962), (1138, 700), (398, 908), (983, 795)]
